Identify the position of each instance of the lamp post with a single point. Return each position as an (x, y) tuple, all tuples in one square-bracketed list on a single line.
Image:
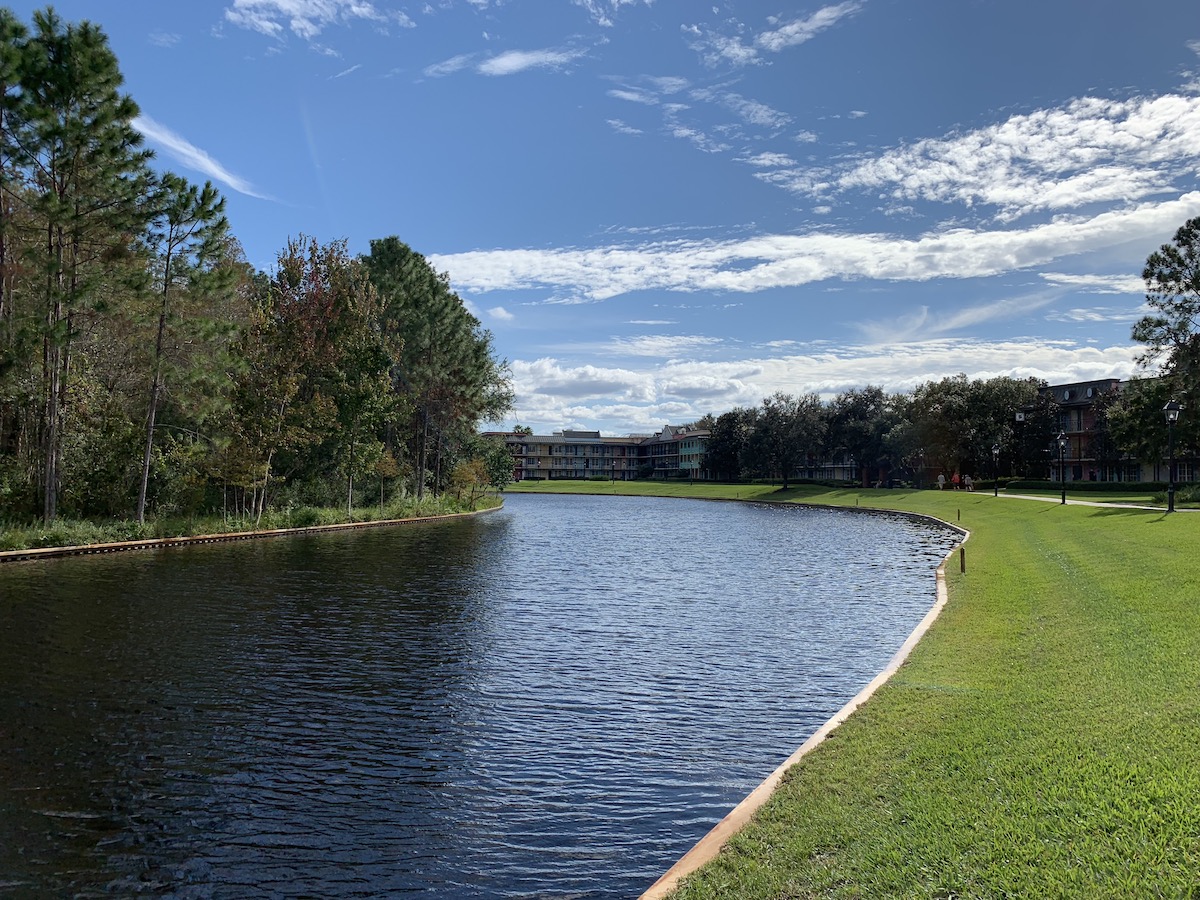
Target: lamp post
[(1062, 470), (1171, 412), (995, 470)]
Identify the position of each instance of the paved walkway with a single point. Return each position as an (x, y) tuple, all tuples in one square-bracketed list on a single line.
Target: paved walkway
[(1070, 502)]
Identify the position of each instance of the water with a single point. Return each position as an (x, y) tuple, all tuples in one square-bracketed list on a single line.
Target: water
[(555, 700)]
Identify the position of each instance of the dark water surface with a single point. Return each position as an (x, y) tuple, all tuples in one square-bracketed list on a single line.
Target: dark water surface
[(553, 700)]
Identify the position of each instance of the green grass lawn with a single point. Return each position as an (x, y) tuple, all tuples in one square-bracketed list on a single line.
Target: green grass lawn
[(1043, 739)]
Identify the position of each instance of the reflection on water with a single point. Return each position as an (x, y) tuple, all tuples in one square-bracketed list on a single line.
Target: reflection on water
[(555, 700)]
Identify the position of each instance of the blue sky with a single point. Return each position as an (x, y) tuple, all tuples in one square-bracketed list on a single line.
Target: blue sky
[(663, 209)]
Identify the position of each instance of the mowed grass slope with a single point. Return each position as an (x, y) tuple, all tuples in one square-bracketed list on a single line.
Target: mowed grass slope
[(1043, 739)]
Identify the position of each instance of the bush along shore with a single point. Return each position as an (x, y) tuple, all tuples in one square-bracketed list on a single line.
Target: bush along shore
[(77, 533), (1040, 741)]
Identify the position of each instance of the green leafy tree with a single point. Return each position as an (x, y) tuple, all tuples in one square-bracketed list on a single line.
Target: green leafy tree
[(71, 110), (189, 238), (497, 461), (729, 435), (444, 371), (859, 421), (75, 167), (789, 429), (1171, 332)]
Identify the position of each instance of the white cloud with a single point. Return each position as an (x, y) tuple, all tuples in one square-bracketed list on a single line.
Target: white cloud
[(514, 61), (163, 39), (602, 13), (770, 160), (634, 96), (306, 18), (749, 110), (1098, 284), (788, 260), (500, 313), (1089, 151), (802, 30), (621, 128), (1099, 314), (449, 66), (556, 395), (345, 72), (193, 157), (716, 48), (919, 323), (660, 346)]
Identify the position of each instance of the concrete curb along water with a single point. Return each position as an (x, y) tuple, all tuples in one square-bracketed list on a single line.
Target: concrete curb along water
[(707, 848), (161, 543)]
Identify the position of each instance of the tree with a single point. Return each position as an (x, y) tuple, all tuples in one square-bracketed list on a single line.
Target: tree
[(188, 235), (76, 169), (728, 437), (1135, 419), (789, 429), (444, 372), (497, 461), (1172, 276), (859, 420)]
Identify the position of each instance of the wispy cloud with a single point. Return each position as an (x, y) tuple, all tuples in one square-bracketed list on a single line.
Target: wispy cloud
[(602, 12), (556, 395), (788, 260), (749, 110), (501, 314), (717, 48), (1098, 284), (307, 18), (163, 39), (621, 128), (345, 72), (192, 157), (1089, 151), (920, 324), (514, 61), (660, 346), (449, 66)]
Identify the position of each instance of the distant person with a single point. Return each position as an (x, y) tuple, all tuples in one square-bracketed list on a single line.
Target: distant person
[(968, 482), (941, 481), (955, 480)]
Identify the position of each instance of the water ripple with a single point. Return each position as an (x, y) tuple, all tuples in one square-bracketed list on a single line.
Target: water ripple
[(553, 701)]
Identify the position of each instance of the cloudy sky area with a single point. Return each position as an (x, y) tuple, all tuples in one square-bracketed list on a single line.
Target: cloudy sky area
[(662, 209)]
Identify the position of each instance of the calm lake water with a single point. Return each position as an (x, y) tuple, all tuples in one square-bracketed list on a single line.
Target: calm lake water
[(553, 700)]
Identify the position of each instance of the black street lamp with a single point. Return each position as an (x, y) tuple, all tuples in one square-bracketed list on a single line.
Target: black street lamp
[(995, 470), (1171, 412), (1063, 440)]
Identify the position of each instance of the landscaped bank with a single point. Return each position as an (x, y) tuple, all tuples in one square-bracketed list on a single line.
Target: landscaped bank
[(1042, 740)]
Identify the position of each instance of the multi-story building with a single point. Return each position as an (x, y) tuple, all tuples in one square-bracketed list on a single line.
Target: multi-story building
[(1087, 455), (673, 452)]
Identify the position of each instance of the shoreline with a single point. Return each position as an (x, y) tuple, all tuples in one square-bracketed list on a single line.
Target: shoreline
[(709, 847), (33, 554)]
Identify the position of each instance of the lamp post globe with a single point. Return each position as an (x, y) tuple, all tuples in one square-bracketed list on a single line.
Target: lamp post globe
[(1171, 412)]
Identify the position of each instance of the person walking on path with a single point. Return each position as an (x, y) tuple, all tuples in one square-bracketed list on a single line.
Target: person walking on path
[(941, 481), (968, 482), (954, 480)]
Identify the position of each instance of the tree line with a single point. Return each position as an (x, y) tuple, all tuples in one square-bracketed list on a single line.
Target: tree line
[(146, 366), (954, 424), (997, 427)]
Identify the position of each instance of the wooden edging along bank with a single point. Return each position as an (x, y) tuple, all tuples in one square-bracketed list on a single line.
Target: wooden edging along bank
[(707, 848), (160, 543)]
